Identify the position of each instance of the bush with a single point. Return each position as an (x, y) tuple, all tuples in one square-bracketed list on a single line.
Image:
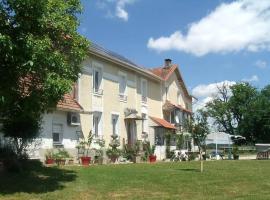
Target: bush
[(113, 152), (11, 161), (61, 154), (192, 156)]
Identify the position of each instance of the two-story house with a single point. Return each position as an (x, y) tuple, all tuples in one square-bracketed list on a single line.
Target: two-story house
[(115, 96)]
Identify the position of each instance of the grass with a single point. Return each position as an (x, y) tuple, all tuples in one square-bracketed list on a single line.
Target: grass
[(220, 180)]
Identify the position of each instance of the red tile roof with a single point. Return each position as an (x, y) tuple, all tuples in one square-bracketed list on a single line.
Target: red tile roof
[(163, 122), (68, 103), (177, 106), (166, 72)]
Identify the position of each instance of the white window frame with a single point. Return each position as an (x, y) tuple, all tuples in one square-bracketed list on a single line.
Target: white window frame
[(144, 123), (116, 117), (60, 133), (123, 95), (99, 68), (179, 98), (144, 98), (97, 115)]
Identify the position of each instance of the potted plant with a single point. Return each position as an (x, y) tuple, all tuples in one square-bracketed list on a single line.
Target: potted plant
[(99, 153), (137, 152), (49, 157), (133, 152), (84, 147), (113, 152), (150, 152), (152, 156), (61, 156)]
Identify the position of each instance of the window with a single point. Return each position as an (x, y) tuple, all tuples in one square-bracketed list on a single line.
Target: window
[(97, 77), (122, 87), (115, 124), (97, 124), (57, 133), (172, 117), (159, 137), (144, 91), (144, 123), (179, 98), (122, 84)]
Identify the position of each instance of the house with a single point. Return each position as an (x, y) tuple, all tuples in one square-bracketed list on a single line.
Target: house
[(115, 96)]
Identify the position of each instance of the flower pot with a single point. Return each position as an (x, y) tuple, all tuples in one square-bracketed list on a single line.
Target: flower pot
[(152, 158), (49, 161), (113, 158), (85, 160), (70, 161)]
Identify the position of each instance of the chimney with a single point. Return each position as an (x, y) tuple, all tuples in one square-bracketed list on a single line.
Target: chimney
[(167, 63)]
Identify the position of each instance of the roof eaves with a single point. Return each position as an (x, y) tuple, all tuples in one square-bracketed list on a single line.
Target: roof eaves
[(124, 63)]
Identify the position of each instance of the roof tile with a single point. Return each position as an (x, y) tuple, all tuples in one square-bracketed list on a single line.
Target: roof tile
[(163, 123), (68, 103)]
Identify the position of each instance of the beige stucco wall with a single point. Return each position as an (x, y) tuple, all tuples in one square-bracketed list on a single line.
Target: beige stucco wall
[(109, 102), (173, 89)]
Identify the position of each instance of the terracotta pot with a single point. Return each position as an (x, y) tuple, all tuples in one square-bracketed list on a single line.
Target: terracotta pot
[(152, 158), (113, 158), (85, 160), (49, 161)]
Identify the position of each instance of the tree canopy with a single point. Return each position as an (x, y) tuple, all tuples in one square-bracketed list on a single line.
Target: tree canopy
[(241, 109), (40, 53)]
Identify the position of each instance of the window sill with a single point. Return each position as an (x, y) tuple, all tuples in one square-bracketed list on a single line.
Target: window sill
[(58, 145), (97, 94), (123, 98), (144, 103)]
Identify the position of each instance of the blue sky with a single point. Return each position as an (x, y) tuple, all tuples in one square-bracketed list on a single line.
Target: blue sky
[(212, 41)]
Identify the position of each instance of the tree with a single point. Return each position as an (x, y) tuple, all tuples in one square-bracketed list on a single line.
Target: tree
[(259, 116), (231, 110), (40, 53), (199, 128)]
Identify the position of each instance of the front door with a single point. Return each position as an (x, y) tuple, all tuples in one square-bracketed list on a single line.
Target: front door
[(131, 132)]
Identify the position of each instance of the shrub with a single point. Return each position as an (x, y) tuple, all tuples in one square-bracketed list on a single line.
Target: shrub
[(11, 161), (113, 152)]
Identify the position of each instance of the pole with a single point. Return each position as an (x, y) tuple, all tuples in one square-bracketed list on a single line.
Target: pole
[(230, 153), (216, 142)]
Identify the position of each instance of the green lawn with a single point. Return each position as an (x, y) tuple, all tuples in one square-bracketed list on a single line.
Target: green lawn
[(220, 180)]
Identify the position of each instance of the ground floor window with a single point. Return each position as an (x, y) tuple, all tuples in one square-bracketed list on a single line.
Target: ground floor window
[(159, 136), (97, 124), (57, 133), (144, 123), (115, 119)]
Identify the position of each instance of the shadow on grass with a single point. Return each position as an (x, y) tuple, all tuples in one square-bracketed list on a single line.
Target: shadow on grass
[(189, 170), (35, 178)]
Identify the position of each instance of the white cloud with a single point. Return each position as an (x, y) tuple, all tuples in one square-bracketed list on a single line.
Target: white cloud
[(231, 27), (253, 78), (119, 6), (205, 93), (261, 64), (209, 90)]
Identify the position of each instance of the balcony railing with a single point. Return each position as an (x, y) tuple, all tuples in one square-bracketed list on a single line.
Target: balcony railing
[(122, 97)]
